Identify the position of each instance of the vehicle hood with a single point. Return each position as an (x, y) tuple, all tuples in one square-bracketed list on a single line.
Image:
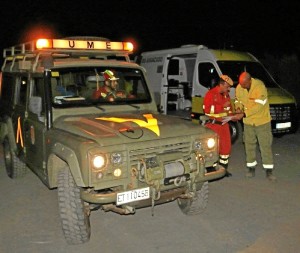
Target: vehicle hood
[(279, 96), (132, 127)]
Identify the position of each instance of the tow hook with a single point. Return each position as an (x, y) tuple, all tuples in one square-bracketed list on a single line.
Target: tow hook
[(179, 180), (155, 195)]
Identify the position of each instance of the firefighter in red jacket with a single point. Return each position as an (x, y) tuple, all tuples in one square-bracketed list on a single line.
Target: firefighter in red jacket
[(109, 90), (217, 105)]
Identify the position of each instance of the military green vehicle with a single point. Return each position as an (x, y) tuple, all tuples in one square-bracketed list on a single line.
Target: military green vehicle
[(115, 154)]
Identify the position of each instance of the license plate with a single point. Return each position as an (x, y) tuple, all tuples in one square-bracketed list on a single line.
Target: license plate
[(134, 195), (283, 125)]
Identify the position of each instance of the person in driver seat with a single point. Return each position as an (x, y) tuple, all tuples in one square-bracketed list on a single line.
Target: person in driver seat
[(109, 90)]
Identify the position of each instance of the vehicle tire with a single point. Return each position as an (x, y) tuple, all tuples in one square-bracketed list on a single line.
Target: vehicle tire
[(236, 132), (74, 213), (15, 168), (197, 204)]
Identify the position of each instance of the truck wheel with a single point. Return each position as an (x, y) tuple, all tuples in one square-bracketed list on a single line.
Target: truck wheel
[(197, 204), (74, 213), (15, 168), (236, 132)]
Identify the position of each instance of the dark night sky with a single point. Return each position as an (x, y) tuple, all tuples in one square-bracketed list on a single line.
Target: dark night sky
[(255, 26)]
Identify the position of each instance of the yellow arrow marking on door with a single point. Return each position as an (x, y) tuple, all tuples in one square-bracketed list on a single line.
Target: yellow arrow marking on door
[(19, 133), (150, 124)]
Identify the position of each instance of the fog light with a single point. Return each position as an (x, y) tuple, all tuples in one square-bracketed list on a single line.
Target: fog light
[(117, 172)]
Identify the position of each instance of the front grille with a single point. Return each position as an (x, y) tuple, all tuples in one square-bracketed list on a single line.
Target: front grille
[(282, 112), (153, 148)]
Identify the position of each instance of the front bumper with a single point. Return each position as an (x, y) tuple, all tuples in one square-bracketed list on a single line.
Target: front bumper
[(165, 195)]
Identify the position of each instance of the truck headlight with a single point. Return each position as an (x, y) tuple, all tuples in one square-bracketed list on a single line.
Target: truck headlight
[(99, 161), (203, 144), (211, 143)]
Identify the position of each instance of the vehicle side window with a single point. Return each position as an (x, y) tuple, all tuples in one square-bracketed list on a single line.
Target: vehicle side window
[(208, 75), (21, 86), (37, 90), (6, 89), (173, 68), (6, 94)]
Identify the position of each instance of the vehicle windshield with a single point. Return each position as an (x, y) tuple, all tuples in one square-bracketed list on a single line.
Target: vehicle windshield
[(97, 85), (235, 68)]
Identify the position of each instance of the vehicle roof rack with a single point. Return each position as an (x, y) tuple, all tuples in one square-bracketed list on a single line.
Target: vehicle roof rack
[(71, 47)]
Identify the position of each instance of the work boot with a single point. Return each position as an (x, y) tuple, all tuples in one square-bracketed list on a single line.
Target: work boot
[(270, 176), (228, 174), (251, 172)]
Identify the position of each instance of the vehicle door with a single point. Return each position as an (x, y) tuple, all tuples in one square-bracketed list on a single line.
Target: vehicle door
[(19, 111), (35, 127), (206, 76), (164, 86)]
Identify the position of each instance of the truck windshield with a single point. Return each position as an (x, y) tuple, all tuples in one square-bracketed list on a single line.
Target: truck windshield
[(235, 68), (97, 85)]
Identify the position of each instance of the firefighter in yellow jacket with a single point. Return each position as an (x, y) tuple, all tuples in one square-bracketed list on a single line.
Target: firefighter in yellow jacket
[(253, 107)]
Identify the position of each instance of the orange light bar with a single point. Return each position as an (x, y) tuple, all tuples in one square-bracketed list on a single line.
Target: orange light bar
[(43, 43), (128, 46), (83, 44)]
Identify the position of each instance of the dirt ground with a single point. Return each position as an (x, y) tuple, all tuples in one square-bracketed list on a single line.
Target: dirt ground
[(243, 215)]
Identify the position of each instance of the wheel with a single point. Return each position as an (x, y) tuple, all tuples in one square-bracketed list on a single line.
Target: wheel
[(197, 204), (74, 213), (236, 132), (15, 168)]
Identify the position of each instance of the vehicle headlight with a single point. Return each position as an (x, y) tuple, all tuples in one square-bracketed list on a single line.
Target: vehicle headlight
[(116, 158), (99, 161), (211, 143)]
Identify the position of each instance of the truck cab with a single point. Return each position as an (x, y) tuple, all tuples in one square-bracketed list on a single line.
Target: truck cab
[(115, 154)]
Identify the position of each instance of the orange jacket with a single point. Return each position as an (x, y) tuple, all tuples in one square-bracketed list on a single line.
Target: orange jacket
[(216, 105)]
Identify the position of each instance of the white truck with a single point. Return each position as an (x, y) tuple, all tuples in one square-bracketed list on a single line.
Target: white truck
[(180, 78)]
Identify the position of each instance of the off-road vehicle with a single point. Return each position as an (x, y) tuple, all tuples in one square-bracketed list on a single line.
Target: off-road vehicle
[(115, 154)]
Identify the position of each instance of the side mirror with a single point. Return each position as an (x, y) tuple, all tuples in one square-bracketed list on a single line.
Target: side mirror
[(203, 119)]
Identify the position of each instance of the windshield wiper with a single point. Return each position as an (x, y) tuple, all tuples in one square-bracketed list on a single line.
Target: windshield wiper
[(101, 108), (118, 102), (134, 106)]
